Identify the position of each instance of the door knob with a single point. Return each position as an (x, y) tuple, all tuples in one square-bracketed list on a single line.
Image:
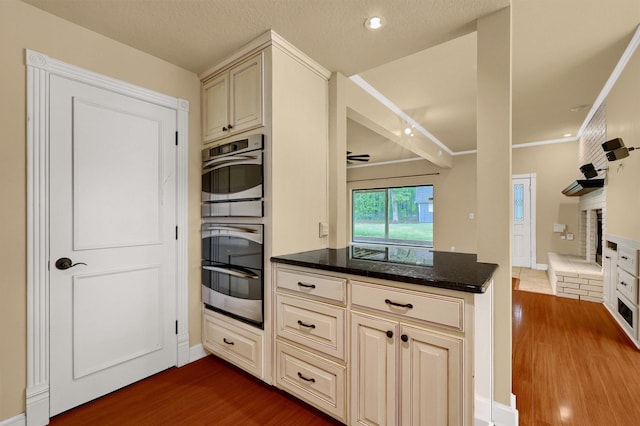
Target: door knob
[(66, 263)]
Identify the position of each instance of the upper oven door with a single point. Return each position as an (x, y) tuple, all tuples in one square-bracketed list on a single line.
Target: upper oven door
[(233, 177), (233, 245)]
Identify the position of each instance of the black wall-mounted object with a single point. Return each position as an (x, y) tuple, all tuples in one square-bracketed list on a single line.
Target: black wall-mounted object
[(618, 154), (612, 144), (589, 171), (615, 149)]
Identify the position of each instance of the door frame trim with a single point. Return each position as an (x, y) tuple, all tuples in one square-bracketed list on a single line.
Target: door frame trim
[(39, 68), (532, 199)]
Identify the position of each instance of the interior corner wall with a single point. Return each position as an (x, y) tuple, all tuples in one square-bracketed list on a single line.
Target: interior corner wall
[(555, 168), (623, 176), (494, 183), (23, 26)]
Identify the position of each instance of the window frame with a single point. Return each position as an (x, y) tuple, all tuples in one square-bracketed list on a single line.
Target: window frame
[(386, 240)]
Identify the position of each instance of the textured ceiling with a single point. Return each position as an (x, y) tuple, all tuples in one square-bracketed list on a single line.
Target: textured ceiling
[(423, 59), (196, 34)]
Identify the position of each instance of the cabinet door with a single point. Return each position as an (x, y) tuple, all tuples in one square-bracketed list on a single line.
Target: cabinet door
[(610, 278), (431, 376), (215, 108), (246, 94), (373, 370)]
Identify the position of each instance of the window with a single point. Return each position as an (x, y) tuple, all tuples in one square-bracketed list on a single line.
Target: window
[(401, 215)]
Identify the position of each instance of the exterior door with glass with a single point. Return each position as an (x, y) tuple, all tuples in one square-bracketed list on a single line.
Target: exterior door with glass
[(522, 223)]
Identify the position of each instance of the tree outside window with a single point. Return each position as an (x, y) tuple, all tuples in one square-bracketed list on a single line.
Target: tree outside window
[(400, 215)]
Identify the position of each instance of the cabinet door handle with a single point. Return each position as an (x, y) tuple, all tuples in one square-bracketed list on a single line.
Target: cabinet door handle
[(306, 325), (305, 285), (228, 342), (389, 302), (623, 283), (624, 257), (404, 338), (389, 334), (224, 129), (230, 127), (312, 380)]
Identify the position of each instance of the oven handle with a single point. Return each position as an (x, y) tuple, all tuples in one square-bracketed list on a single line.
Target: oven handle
[(217, 163), (207, 227), (229, 271)]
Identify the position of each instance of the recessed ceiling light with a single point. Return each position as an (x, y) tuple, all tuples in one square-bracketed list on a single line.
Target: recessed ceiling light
[(566, 135), (374, 23), (407, 131)]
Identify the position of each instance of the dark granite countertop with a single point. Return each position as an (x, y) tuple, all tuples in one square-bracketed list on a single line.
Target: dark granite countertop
[(422, 266)]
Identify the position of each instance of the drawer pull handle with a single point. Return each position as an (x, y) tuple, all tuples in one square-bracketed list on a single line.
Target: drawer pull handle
[(404, 338), (312, 380), (305, 285), (389, 334), (306, 325), (389, 302), (624, 257), (623, 283), (228, 342)]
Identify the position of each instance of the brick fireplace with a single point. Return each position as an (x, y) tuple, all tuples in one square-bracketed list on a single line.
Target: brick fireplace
[(580, 277)]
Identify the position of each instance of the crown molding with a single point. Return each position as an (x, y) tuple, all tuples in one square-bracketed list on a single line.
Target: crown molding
[(269, 38), (617, 71)]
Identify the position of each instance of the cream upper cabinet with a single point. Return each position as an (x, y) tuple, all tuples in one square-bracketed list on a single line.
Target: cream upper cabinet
[(233, 100)]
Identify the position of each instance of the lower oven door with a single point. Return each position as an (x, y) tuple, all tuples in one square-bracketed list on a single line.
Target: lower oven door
[(234, 291)]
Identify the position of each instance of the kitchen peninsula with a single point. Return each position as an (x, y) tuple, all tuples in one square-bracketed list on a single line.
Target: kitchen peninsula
[(384, 334)]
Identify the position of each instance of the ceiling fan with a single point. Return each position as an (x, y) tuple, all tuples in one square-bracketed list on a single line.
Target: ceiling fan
[(357, 157)]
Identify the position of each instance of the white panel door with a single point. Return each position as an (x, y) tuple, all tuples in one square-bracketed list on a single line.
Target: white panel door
[(112, 207), (521, 223)]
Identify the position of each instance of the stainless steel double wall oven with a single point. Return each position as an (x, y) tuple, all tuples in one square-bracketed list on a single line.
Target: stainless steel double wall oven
[(233, 252)]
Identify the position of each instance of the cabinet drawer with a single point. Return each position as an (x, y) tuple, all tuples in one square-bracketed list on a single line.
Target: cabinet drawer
[(628, 285), (628, 259), (440, 310), (316, 325), (321, 286), (311, 378), (237, 345)]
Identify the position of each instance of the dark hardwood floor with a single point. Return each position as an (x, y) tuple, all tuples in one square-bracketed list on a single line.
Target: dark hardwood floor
[(572, 365), (206, 392)]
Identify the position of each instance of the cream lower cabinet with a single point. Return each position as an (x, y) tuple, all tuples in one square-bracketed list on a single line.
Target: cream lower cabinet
[(402, 374), (233, 341), (311, 339), (383, 356)]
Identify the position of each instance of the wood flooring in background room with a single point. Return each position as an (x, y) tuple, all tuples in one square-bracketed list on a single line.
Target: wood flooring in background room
[(572, 365)]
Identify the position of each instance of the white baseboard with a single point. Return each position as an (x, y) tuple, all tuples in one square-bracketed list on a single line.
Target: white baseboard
[(183, 349), (196, 352), (37, 412), (19, 420), (504, 415), (542, 266), (482, 412)]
